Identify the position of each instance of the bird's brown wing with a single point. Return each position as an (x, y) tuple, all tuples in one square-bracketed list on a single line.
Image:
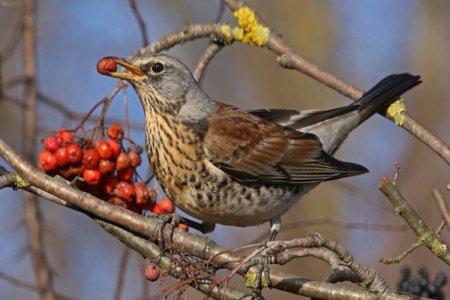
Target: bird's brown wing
[(251, 149)]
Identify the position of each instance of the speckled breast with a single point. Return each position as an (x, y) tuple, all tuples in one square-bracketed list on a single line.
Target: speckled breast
[(203, 190)]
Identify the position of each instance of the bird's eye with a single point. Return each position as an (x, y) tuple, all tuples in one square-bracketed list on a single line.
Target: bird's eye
[(157, 68)]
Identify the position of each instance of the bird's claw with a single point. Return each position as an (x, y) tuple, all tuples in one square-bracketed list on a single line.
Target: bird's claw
[(259, 279), (263, 269), (170, 219)]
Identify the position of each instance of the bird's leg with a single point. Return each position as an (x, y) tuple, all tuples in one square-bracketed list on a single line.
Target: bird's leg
[(263, 265), (275, 227), (262, 261)]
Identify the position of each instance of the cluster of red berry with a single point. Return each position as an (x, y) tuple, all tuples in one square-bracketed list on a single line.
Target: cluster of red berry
[(108, 170)]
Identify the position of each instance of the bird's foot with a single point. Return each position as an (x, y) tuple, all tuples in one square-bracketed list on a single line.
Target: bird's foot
[(261, 259), (172, 220), (260, 278)]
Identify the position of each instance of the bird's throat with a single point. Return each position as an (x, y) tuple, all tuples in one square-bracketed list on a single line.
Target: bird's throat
[(173, 151)]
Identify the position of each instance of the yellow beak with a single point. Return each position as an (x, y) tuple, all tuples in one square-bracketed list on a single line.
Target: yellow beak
[(134, 74)]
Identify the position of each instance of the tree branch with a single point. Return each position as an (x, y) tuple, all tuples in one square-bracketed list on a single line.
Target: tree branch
[(442, 206), (205, 59), (19, 283), (425, 235), (140, 21), (32, 212)]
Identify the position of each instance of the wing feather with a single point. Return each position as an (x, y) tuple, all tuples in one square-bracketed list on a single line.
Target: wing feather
[(251, 149)]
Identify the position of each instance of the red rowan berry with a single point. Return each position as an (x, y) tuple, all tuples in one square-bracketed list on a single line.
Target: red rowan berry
[(115, 147), (106, 65), (106, 166), (75, 153), (64, 137), (47, 161), (115, 132), (104, 149), (152, 272), (91, 158), (62, 156), (125, 191), (142, 194), (167, 206), (51, 144), (135, 158), (92, 177), (123, 161), (126, 174)]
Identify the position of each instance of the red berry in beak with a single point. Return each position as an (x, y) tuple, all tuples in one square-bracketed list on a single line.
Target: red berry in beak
[(106, 65)]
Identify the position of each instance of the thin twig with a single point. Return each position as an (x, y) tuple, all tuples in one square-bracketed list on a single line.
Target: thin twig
[(106, 102), (121, 273), (72, 115), (189, 32), (428, 138), (424, 234), (205, 59), (338, 223), (31, 287), (442, 206), (401, 256), (140, 21), (6, 179), (13, 41), (220, 12), (14, 81)]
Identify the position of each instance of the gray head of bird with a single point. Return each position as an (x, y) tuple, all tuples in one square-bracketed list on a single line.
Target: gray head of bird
[(164, 85)]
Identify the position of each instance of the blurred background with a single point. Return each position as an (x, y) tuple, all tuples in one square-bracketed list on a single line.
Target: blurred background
[(358, 41)]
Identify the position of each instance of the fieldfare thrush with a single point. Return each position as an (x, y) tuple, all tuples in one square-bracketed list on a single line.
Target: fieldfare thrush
[(224, 165)]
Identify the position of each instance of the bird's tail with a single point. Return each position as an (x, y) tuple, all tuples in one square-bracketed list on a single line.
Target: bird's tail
[(384, 93), (333, 126)]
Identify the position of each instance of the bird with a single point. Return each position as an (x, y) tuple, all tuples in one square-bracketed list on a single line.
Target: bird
[(225, 165)]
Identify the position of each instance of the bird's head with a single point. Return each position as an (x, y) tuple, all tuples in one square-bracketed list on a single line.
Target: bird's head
[(162, 82)]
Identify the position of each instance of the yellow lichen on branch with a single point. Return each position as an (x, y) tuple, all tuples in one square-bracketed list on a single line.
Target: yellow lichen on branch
[(20, 182), (249, 31), (396, 111)]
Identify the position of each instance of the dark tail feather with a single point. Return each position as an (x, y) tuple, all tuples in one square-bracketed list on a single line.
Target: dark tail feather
[(384, 93)]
